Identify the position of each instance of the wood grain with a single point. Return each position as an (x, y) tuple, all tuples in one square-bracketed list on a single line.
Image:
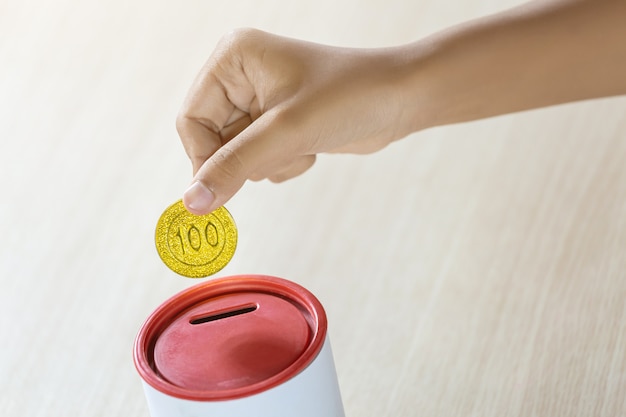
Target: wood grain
[(469, 270)]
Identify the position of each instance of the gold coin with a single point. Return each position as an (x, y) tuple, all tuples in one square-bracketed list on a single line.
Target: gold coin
[(195, 246)]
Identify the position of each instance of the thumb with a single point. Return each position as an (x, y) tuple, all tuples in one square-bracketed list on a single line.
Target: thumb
[(261, 144), (217, 180)]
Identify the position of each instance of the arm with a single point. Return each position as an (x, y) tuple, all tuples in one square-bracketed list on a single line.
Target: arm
[(263, 106), (539, 54)]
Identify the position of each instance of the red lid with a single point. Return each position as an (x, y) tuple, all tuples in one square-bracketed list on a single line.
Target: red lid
[(230, 337)]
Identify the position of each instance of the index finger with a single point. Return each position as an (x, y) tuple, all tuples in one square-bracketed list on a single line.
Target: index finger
[(205, 112), (220, 94)]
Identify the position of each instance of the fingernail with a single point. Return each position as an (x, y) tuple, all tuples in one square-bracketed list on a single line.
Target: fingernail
[(198, 199)]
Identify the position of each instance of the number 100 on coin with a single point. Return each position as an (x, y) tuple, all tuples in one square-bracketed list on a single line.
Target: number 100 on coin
[(195, 246)]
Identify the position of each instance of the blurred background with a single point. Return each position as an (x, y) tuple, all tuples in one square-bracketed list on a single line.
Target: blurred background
[(468, 270)]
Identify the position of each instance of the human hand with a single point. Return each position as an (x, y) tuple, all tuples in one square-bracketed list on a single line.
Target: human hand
[(263, 106)]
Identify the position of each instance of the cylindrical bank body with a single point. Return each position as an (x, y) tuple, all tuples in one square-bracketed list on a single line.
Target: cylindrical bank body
[(247, 345)]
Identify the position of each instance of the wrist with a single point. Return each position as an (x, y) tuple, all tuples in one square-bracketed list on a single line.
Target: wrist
[(415, 86)]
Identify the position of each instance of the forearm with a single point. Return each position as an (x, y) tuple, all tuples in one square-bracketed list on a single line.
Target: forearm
[(540, 54)]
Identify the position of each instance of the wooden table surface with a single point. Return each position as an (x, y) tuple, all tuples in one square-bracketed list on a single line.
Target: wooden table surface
[(470, 270)]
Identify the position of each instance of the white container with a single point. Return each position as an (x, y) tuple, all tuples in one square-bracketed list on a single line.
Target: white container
[(248, 345)]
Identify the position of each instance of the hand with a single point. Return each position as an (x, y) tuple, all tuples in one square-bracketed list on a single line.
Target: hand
[(263, 106)]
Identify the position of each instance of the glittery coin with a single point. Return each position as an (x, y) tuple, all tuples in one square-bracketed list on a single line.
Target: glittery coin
[(195, 246)]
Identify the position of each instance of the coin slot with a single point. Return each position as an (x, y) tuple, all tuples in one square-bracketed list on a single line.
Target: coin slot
[(237, 311)]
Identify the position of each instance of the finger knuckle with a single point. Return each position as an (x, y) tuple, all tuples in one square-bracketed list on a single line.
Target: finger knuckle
[(240, 38), (278, 178), (256, 176), (228, 164), (182, 122)]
